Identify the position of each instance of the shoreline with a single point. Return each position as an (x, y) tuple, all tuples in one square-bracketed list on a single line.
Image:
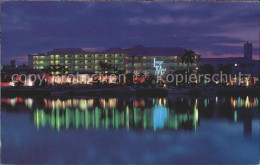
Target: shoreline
[(127, 91)]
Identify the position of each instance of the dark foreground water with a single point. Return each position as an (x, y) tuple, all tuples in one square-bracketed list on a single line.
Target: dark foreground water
[(130, 130)]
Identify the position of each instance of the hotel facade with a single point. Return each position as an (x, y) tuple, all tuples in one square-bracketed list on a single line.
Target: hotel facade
[(75, 60), (136, 59)]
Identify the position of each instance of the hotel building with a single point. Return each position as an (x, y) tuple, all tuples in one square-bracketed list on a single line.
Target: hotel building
[(137, 59), (75, 60)]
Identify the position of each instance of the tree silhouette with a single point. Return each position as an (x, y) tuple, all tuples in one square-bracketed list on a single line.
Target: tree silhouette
[(188, 58), (56, 68)]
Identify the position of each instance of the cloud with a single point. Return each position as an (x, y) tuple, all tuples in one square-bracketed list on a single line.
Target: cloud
[(151, 20), (165, 19), (240, 31), (210, 54), (206, 26), (239, 44), (18, 59), (230, 44), (93, 49), (22, 58)]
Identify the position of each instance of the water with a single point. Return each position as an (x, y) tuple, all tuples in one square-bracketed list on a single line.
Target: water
[(130, 130)]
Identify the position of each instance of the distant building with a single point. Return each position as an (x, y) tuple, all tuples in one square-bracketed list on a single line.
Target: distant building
[(238, 64), (248, 50), (243, 65)]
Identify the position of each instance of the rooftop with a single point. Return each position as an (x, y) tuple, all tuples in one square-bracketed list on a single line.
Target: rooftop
[(137, 50), (66, 50)]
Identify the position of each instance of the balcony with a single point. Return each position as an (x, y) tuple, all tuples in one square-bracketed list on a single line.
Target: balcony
[(109, 56), (89, 67), (79, 68), (89, 56), (79, 56), (69, 62), (119, 61), (89, 61), (69, 57), (79, 62), (118, 56), (99, 56)]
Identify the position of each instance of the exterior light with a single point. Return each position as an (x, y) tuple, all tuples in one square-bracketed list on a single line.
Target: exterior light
[(159, 70), (30, 83), (235, 64), (12, 84)]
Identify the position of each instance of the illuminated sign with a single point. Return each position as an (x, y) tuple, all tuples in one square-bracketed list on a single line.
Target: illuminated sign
[(159, 70)]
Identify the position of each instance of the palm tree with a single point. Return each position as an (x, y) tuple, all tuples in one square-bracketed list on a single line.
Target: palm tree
[(106, 67), (62, 69), (56, 68), (188, 58), (103, 66), (49, 69)]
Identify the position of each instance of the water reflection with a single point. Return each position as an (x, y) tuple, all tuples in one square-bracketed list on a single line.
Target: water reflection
[(159, 116), (140, 118), (133, 113), (240, 103)]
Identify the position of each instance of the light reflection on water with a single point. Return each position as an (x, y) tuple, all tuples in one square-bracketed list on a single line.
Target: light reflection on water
[(130, 130), (130, 113), (159, 116)]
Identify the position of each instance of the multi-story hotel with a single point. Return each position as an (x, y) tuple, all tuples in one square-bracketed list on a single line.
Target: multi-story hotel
[(138, 58), (75, 60)]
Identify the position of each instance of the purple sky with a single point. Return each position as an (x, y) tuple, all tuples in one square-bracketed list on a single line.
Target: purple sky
[(212, 29)]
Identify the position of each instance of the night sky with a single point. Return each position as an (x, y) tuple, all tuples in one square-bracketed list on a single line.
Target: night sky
[(212, 29)]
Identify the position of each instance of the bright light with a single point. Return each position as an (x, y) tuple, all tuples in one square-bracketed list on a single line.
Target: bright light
[(247, 104), (235, 64), (164, 102), (12, 102), (159, 70), (12, 84), (30, 102), (247, 82), (160, 101), (30, 83), (196, 116)]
